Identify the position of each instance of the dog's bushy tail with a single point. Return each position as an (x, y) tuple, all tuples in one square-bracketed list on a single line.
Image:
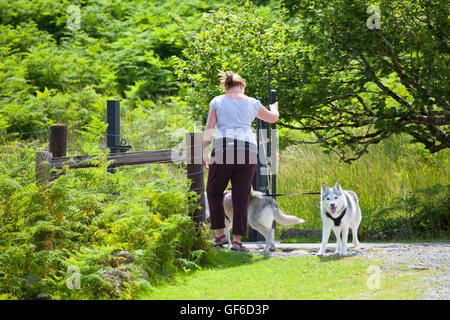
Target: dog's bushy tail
[(286, 220)]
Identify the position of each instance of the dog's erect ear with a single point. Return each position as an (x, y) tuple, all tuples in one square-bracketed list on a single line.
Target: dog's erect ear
[(324, 187), (337, 186)]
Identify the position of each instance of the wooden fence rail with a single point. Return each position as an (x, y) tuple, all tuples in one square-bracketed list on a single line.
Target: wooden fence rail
[(119, 159), (194, 165)]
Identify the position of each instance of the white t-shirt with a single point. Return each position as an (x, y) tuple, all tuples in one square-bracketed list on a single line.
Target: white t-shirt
[(235, 117)]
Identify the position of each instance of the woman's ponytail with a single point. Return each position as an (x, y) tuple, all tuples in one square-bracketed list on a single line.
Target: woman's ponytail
[(229, 79)]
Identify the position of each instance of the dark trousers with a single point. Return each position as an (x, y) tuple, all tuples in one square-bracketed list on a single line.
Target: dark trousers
[(241, 176)]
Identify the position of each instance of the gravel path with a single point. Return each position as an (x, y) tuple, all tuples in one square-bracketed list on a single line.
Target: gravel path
[(401, 257), (424, 256)]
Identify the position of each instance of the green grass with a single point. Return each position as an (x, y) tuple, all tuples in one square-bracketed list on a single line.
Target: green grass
[(230, 275)]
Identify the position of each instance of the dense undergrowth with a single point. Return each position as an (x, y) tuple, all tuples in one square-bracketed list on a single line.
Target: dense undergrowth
[(83, 217)]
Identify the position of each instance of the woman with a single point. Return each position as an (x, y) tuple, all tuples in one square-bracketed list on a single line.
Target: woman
[(234, 154)]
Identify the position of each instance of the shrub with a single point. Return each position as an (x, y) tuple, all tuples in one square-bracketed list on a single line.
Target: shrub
[(424, 212)]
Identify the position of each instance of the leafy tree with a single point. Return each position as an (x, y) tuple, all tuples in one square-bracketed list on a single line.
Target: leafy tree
[(340, 77), (385, 79)]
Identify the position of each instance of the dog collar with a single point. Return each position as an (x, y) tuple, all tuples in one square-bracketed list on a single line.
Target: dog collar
[(337, 221)]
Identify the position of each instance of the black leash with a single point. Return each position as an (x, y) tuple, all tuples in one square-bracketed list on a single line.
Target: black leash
[(288, 194)]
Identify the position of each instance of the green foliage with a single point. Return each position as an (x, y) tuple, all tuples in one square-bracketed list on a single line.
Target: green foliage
[(425, 212), (81, 218), (136, 62), (50, 73), (49, 16)]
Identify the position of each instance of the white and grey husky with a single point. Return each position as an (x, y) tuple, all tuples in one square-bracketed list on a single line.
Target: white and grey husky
[(340, 211), (262, 210)]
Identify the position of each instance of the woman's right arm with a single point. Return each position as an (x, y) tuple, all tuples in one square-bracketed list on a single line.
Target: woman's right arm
[(209, 128), (269, 116), (207, 135)]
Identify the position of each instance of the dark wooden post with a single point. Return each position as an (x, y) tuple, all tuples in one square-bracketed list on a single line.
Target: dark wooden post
[(194, 161), (58, 141), (261, 177)]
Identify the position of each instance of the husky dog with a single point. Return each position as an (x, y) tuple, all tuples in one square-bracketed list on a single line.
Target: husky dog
[(340, 211), (262, 210)]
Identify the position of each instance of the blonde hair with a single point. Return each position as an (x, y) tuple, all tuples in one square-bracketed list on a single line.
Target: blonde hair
[(229, 79)]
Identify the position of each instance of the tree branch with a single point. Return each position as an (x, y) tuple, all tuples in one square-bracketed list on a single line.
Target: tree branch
[(397, 67), (382, 86)]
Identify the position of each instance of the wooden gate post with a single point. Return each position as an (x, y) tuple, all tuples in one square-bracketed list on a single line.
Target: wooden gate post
[(194, 161), (57, 144), (58, 141)]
